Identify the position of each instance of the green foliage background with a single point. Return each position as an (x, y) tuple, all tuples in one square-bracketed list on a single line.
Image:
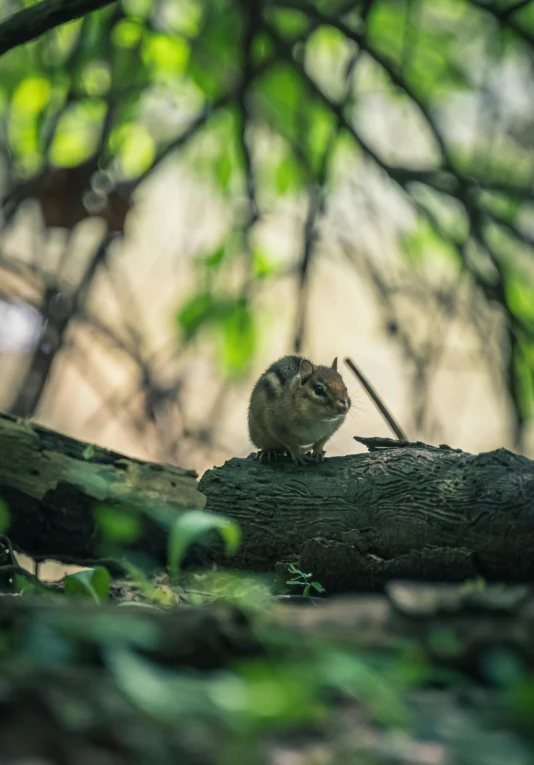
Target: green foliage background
[(266, 102)]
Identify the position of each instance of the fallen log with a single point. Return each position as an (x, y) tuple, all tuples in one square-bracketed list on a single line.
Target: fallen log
[(401, 511), (51, 485)]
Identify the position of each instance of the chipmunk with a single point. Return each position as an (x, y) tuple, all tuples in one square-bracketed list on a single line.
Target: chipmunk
[(295, 405)]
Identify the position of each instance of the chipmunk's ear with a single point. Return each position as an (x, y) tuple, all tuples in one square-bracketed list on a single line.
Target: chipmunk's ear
[(334, 365), (306, 371)]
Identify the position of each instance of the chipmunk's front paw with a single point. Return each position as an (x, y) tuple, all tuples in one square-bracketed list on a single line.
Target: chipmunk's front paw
[(317, 456), (304, 459), (269, 455)]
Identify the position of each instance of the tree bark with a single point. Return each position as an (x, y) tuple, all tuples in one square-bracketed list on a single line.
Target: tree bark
[(51, 485), (407, 511)]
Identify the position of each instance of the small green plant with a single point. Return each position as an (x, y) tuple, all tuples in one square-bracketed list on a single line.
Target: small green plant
[(190, 527), (5, 518), (303, 580), (90, 583)]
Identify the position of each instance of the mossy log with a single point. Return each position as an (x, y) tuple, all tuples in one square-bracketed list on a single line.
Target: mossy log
[(51, 484)]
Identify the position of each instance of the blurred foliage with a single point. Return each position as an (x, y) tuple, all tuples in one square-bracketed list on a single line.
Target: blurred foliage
[(105, 673), (192, 526), (267, 102), (93, 583)]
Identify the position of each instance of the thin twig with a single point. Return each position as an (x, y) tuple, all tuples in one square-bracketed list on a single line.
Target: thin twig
[(401, 435)]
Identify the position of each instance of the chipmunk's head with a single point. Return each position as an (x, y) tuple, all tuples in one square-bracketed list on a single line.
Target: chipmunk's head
[(322, 392)]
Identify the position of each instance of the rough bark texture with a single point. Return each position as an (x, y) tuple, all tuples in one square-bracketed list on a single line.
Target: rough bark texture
[(406, 511), (356, 522), (51, 484)]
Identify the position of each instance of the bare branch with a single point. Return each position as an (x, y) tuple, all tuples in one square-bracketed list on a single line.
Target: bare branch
[(31, 23)]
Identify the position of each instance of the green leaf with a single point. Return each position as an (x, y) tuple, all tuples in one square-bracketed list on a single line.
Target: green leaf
[(5, 518), (223, 170), (423, 243), (262, 48), (281, 98), (89, 452), (31, 96), (77, 133), (287, 175), (135, 147), (263, 265), (290, 23), (355, 677), (186, 17), (119, 524), (96, 78), (319, 587), (126, 33), (165, 695), (26, 586), (167, 56), (520, 296), (91, 583), (141, 8), (522, 699), (524, 382), (238, 339), (384, 23), (214, 259), (191, 526), (195, 313), (322, 125), (214, 55)]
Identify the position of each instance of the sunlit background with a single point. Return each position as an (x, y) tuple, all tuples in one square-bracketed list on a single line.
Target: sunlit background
[(192, 190)]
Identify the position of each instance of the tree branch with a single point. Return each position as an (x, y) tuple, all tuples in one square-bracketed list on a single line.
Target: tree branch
[(30, 23)]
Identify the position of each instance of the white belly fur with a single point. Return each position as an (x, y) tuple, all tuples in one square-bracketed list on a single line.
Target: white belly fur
[(310, 434)]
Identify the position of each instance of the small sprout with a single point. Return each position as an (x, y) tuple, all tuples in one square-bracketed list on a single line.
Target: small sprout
[(302, 580)]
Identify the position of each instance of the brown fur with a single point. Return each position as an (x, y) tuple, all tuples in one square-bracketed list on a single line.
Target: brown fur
[(286, 413)]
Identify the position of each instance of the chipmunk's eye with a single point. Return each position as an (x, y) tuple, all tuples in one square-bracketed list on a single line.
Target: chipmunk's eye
[(319, 390)]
